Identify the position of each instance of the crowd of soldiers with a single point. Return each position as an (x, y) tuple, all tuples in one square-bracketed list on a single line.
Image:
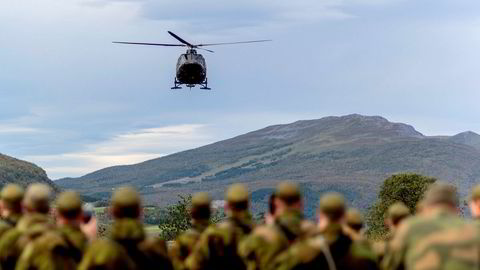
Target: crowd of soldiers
[(34, 236)]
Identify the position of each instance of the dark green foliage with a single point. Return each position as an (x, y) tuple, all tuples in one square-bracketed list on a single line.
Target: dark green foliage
[(177, 218), (407, 188)]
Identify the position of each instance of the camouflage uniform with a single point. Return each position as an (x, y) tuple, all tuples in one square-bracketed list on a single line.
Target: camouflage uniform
[(435, 239), (395, 214), (105, 254), (259, 249), (217, 247), (129, 235), (185, 242), (11, 199), (330, 248), (63, 247), (33, 224)]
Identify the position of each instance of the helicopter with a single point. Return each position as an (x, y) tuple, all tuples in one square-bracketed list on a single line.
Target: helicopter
[(191, 66)]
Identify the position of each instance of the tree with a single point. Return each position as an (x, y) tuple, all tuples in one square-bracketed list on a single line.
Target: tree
[(177, 218), (407, 188)]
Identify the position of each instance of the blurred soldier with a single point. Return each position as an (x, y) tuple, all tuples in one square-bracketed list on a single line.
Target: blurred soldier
[(396, 213), (436, 238), (34, 222), (255, 249), (200, 218), (217, 246), (63, 247), (331, 248), (354, 224), (105, 254), (11, 206), (127, 230), (475, 204), (287, 225)]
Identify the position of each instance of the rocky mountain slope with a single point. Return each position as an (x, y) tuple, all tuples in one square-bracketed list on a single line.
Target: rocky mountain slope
[(351, 154)]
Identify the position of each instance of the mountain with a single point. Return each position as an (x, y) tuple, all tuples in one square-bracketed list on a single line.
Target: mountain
[(351, 154), (17, 171), (468, 138)]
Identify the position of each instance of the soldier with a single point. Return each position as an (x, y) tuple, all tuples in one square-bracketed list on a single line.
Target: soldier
[(11, 206), (128, 231), (200, 218), (396, 213), (285, 225), (475, 204), (354, 224), (436, 238), (330, 248), (34, 222), (217, 246), (63, 247), (105, 254)]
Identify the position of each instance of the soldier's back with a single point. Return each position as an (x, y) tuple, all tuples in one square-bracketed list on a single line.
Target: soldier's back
[(105, 254), (437, 240)]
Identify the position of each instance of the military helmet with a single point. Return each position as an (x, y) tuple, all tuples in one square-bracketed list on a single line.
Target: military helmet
[(201, 199), (200, 206), (397, 211), (125, 203), (288, 192), (354, 219), (37, 198), (333, 205), (440, 193), (475, 193), (236, 193), (12, 194), (69, 204)]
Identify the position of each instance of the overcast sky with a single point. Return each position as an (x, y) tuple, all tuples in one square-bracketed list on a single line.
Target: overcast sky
[(73, 102)]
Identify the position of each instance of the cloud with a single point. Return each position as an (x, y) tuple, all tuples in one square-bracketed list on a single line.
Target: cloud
[(15, 129), (128, 148)]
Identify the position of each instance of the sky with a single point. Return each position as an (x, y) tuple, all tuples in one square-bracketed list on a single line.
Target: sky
[(72, 102)]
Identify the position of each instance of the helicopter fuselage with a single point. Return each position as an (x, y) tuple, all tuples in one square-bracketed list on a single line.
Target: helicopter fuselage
[(191, 68)]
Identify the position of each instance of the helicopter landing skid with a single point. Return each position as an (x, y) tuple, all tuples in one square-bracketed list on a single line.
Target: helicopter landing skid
[(204, 85)]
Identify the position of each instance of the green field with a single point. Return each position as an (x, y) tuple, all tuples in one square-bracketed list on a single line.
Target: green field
[(152, 230)]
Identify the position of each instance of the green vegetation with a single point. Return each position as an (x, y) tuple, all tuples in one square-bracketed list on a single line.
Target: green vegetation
[(407, 188), (177, 218)]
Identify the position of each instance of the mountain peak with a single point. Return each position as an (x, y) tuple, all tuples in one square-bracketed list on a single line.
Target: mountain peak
[(468, 137)]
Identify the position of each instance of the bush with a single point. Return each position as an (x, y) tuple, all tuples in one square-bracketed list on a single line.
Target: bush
[(177, 218), (407, 188)]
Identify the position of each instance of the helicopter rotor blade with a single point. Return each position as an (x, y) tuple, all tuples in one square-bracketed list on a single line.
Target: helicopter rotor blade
[(231, 43), (181, 39), (204, 49), (151, 44)]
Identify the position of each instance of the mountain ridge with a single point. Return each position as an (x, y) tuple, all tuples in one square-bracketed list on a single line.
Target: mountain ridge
[(351, 154)]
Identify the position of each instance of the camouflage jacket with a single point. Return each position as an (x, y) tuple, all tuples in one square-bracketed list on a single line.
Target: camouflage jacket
[(147, 253), (14, 241), (49, 251), (217, 246), (331, 249), (434, 240), (77, 241), (259, 248), (185, 242), (107, 255)]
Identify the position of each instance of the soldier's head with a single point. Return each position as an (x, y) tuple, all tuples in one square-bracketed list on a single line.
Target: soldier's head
[(331, 209), (440, 195), (11, 199), (396, 213), (475, 202), (200, 206), (354, 220), (69, 208), (236, 199), (287, 196), (125, 203), (37, 198)]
